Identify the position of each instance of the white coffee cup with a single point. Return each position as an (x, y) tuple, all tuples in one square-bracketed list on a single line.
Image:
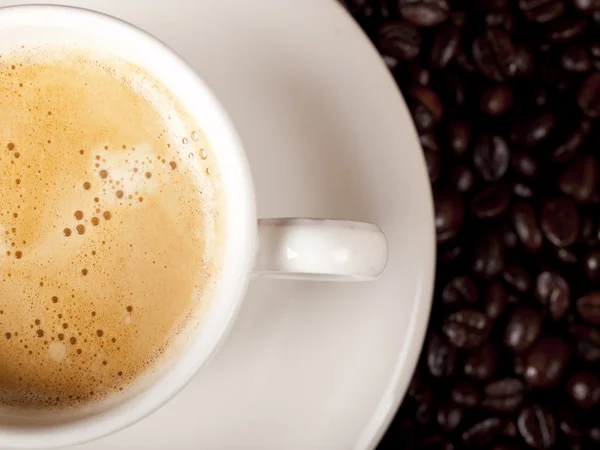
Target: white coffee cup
[(312, 249)]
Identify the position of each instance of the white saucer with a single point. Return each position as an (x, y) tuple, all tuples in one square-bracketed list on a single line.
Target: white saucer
[(308, 365)]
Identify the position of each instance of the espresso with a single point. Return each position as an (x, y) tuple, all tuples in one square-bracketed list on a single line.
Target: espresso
[(109, 199)]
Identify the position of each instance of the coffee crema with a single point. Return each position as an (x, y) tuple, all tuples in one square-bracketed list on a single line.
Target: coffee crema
[(110, 224)]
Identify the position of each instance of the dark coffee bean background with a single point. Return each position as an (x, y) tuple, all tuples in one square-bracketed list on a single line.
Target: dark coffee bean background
[(505, 97)]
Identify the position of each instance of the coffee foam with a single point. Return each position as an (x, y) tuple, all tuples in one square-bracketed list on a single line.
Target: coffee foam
[(110, 224)]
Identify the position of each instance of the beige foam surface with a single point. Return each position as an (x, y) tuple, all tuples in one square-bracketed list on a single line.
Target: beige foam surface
[(109, 234)]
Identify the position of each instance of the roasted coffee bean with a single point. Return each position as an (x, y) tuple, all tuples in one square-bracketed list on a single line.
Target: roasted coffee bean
[(464, 60), (591, 265), (482, 433), (579, 179), (587, 342), (429, 99), (466, 328), (421, 394), (459, 136), (530, 131), (492, 201), (509, 236), (495, 300), (576, 58), (458, 17), (449, 415), (489, 254), (518, 365), (496, 100), (595, 52), (491, 157), (510, 428), (511, 298), (465, 393), (424, 13), (566, 256), (423, 410), (526, 226), (568, 422), (587, 230), (494, 54), (588, 307), (445, 44), (432, 160), (545, 362), (565, 29), (481, 362), (415, 73), (554, 293), (462, 178), (361, 8), (385, 8), (517, 278), (504, 396), (429, 141), (460, 291), (569, 146), (441, 357), (587, 5), (594, 434), (426, 107), (449, 214), (416, 386), (450, 252), (524, 62), (522, 190), (522, 329), (391, 63), (589, 95), (400, 39), (453, 92), (538, 96), (560, 221), (537, 426), (542, 11), (584, 389), (524, 164), (503, 19)]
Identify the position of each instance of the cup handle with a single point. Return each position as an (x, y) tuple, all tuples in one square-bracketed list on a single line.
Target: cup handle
[(319, 249)]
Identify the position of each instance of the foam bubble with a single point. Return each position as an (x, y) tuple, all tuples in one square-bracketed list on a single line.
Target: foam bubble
[(57, 351)]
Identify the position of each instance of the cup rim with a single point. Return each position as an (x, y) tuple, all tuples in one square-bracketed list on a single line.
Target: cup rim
[(238, 260)]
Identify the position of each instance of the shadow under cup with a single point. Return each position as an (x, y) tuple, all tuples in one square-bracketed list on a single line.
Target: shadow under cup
[(95, 32)]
